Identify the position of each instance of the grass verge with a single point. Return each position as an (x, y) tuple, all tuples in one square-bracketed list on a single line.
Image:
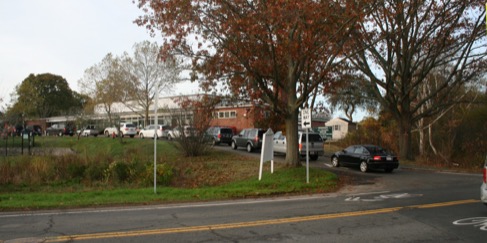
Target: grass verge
[(286, 181), (48, 182)]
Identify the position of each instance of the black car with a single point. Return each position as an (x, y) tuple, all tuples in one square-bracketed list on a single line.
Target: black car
[(218, 135), (61, 130), (365, 157), (250, 138)]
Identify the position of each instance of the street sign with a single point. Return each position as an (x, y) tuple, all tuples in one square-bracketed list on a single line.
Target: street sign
[(306, 118), (267, 151)]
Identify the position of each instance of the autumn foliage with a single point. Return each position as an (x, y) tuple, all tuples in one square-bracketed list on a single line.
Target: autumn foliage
[(278, 52)]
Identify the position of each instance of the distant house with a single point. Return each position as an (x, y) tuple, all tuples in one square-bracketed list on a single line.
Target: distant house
[(340, 127)]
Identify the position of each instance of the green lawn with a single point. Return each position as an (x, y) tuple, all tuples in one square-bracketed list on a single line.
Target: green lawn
[(216, 176)]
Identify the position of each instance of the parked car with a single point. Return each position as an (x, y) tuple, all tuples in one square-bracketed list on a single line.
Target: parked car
[(250, 138), (18, 130), (176, 132), (109, 131), (316, 144), (90, 130), (34, 130), (218, 135), (165, 131), (148, 132), (60, 130), (126, 129), (483, 188), (365, 157)]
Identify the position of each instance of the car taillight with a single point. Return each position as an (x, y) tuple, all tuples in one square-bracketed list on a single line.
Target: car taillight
[(300, 146), (126, 129), (485, 175), (377, 157), (219, 135), (256, 139)]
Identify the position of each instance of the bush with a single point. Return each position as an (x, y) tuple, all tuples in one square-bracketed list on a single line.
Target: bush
[(164, 174), (76, 171), (193, 146), (117, 171), (95, 171)]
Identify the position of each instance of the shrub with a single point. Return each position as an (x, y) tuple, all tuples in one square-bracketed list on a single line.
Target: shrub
[(95, 171), (76, 171), (117, 171), (164, 174), (193, 146)]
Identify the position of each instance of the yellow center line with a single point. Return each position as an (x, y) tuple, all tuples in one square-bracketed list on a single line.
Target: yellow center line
[(248, 224)]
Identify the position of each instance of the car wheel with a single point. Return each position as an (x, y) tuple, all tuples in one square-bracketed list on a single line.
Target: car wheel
[(213, 142), (363, 166), (334, 162), (314, 157), (389, 170), (249, 147), (106, 134), (141, 135), (234, 145)]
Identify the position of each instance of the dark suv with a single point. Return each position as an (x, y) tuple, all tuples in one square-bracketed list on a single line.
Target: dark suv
[(61, 129), (250, 138), (219, 135)]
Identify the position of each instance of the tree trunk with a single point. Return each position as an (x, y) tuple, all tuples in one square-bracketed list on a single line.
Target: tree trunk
[(405, 140), (421, 136), (292, 155), (146, 120)]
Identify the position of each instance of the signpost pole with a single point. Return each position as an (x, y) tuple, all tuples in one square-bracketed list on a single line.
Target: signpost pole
[(306, 124), (156, 100), (307, 157)]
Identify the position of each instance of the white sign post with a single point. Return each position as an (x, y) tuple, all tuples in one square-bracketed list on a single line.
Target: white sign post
[(306, 124), (267, 153), (306, 118)]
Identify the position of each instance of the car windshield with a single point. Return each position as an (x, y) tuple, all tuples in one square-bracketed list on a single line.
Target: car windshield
[(129, 125)]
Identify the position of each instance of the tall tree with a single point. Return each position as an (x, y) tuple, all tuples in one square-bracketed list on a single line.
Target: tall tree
[(149, 74), (401, 42), (349, 94), (276, 52), (106, 84), (46, 95)]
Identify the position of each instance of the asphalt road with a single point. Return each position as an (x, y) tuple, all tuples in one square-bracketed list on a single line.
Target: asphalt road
[(404, 206)]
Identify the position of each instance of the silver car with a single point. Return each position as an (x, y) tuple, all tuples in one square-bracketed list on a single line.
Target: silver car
[(483, 188), (316, 143)]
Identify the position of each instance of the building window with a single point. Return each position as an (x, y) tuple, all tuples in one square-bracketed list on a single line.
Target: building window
[(336, 127), (227, 114)]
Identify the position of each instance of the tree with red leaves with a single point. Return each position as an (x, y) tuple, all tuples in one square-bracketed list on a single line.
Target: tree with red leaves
[(276, 52)]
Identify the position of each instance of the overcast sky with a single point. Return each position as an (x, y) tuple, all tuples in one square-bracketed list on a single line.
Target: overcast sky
[(64, 37)]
